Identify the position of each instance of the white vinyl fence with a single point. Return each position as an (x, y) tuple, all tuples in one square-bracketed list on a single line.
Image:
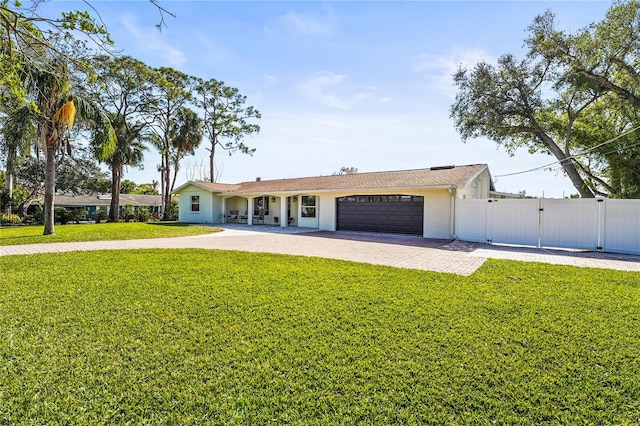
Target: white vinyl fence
[(594, 224)]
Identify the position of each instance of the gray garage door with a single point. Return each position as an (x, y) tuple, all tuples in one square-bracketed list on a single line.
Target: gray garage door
[(399, 214)]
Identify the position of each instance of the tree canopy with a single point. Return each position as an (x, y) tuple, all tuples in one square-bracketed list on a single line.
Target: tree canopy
[(123, 89), (62, 87), (574, 96), (29, 40), (225, 118)]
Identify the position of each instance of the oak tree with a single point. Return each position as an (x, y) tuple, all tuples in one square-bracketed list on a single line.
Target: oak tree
[(562, 99)]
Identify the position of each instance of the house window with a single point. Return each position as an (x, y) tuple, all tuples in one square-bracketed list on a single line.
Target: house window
[(195, 203), (261, 203), (308, 205)]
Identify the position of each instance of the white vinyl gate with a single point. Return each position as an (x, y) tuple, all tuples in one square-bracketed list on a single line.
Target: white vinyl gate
[(594, 224)]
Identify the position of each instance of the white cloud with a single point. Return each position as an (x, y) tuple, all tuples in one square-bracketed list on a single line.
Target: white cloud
[(335, 90), (439, 69), (309, 24), (270, 80), (150, 41)]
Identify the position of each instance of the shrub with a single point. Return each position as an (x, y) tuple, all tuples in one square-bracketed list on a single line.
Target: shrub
[(128, 213), (32, 219), (76, 215), (100, 215), (143, 215), (10, 219), (61, 215), (173, 211)]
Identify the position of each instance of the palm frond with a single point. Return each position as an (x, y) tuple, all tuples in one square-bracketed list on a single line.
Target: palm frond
[(19, 129), (104, 141)]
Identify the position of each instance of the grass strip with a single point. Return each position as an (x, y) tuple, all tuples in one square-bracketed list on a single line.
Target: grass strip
[(16, 235)]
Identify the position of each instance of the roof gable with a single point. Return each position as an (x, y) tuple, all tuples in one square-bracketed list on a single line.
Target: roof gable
[(207, 186)]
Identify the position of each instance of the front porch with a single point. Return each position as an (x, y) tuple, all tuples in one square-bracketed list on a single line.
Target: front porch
[(260, 210)]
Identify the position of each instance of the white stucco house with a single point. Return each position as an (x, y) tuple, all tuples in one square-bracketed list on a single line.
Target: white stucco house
[(420, 201)]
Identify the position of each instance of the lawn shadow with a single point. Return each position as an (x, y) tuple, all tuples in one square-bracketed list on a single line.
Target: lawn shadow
[(394, 239), (559, 252), (449, 245), (173, 224), (466, 246), (21, 237)]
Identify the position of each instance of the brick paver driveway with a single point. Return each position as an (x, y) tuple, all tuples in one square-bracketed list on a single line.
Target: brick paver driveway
[(401, 251)]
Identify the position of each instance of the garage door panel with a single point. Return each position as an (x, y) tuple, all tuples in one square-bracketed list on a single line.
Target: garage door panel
[(385, 213)]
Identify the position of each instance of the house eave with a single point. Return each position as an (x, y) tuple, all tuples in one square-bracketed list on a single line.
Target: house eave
[(401, 181), (477, 174), (289, 193)]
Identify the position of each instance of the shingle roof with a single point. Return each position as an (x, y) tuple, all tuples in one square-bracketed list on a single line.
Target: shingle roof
[(105, 200), (417, 178), (218, 187)]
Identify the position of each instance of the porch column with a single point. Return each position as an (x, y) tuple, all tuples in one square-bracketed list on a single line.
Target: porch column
[(284, 220), (250, 211), (224, 211)]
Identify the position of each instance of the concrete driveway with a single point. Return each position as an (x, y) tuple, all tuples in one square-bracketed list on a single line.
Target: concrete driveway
[(402, 251)]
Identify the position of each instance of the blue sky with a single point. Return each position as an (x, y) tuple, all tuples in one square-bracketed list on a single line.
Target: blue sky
[(356, 84)]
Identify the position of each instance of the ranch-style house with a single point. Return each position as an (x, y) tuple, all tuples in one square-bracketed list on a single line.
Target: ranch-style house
[(419, 202)]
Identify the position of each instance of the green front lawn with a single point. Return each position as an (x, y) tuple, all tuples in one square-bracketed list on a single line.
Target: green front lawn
[(13, 235), (221, 337)]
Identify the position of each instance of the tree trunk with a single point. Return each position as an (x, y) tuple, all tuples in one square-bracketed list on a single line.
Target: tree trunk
[(567, 164), (116, 177), (166, 215), (212, 174), (9, 175), (577, 180), (49, 188), (173, 179), (167, 198), (211, 164)]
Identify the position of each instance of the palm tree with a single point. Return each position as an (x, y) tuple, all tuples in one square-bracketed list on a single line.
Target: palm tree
[(129, 152), (172, 95), (54, 115), (124, 89), (182, 138), (185, 138)]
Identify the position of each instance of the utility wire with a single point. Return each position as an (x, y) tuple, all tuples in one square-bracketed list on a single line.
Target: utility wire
[(564, 160), (623, 148)]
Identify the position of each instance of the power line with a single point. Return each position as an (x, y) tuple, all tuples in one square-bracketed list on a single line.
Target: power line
[(609, 141), (575, 155), (623, 148)]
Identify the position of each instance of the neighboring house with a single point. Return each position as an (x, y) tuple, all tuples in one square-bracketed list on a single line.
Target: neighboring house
[(93, 203), (420, 202)]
